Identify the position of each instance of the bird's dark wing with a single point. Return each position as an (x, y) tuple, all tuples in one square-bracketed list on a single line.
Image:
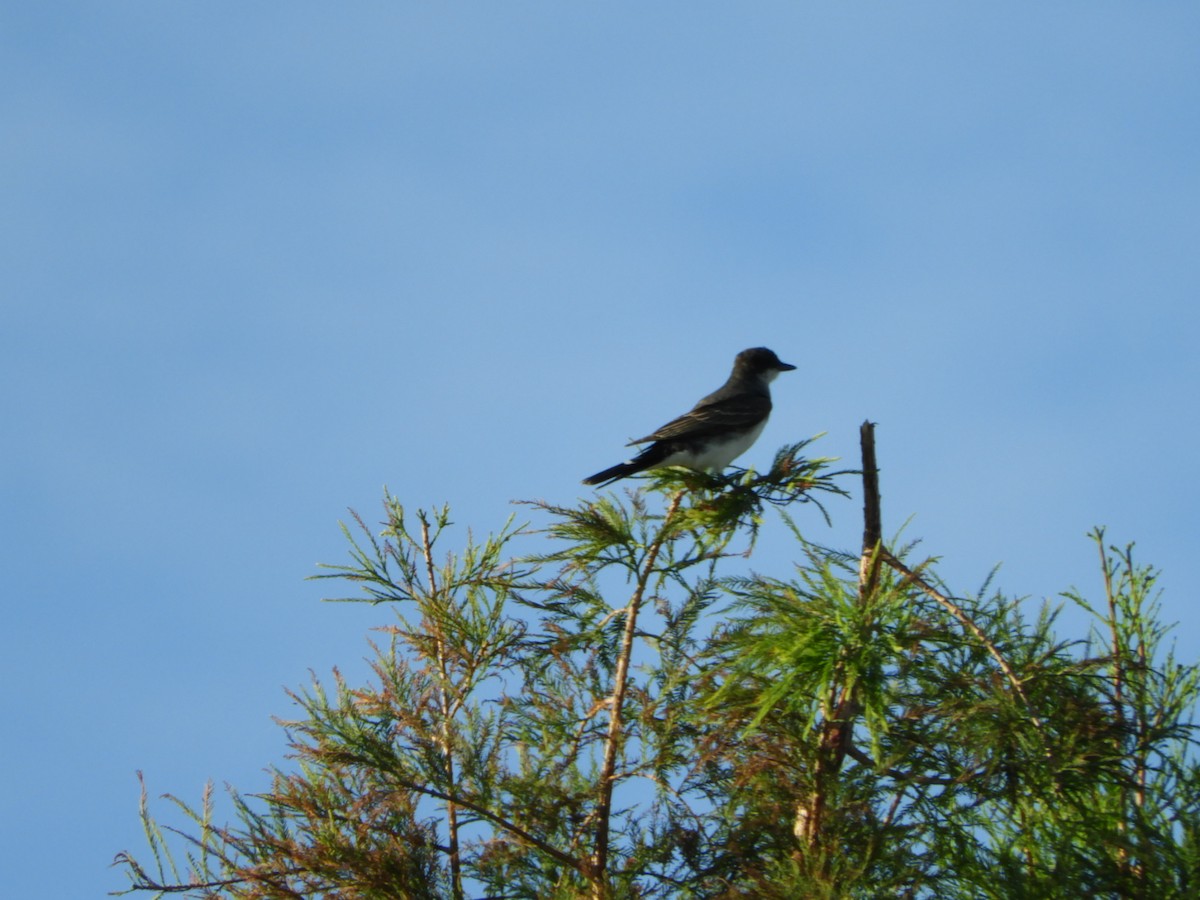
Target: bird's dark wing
[(714, 417)]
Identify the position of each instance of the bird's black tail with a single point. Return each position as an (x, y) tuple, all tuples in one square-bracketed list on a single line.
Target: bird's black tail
[(648, 458)]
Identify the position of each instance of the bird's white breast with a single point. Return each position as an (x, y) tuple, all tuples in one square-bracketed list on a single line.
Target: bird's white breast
[(718, 454)]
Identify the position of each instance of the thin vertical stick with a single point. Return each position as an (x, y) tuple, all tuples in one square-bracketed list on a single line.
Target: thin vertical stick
[(456, 880), (841, 706), (616, 736), (868, 566)]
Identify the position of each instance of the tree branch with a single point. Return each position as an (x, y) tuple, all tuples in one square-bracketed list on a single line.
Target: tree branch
[(620, 682), (456, 882), (515, 830), (967, 622)]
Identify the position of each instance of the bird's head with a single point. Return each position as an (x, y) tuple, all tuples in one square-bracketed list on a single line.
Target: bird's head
[(761, 363)]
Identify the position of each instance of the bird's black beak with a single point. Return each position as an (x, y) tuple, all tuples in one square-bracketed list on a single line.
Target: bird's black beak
[(785, 367)]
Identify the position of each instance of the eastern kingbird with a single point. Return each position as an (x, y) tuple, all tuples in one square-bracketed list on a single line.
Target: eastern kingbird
[(719, 428)]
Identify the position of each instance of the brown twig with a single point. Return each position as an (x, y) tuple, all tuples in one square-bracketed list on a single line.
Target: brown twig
[(841, 706), (515, 830), (868, 566), (614, 739), (456, 883), (967, 622)]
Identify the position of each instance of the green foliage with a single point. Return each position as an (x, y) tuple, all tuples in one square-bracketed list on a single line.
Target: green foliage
[(627, 713)]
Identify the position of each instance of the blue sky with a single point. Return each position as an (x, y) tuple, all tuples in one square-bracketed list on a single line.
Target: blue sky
[(261, 260)]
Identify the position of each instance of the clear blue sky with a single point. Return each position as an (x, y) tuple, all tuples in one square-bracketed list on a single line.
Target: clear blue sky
[(260, 260)]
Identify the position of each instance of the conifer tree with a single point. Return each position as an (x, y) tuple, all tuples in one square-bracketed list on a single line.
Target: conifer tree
[(630, 713)]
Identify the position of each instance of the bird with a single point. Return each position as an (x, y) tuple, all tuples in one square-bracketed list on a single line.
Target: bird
[(716, 430)]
